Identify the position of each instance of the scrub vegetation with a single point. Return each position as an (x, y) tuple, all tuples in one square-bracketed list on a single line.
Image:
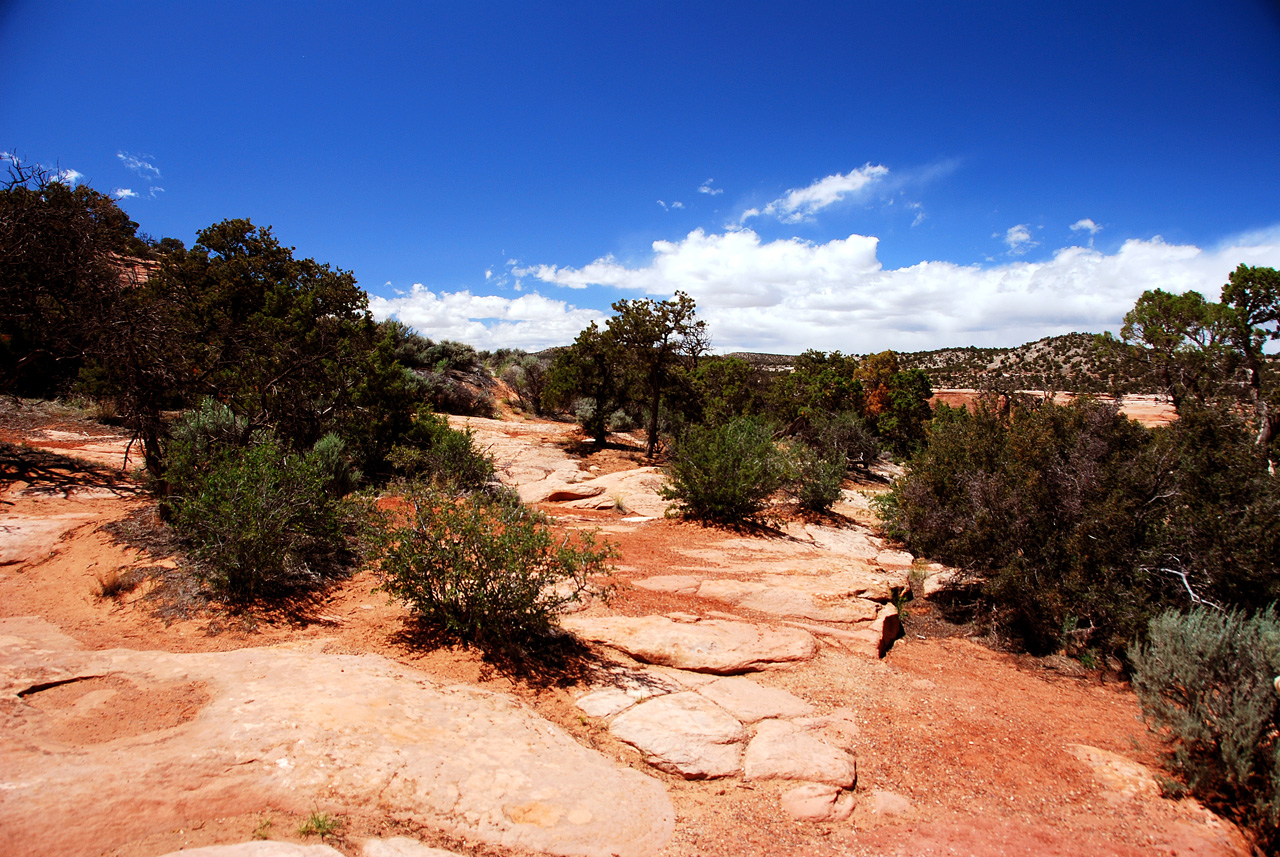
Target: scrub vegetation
[(270, 406)]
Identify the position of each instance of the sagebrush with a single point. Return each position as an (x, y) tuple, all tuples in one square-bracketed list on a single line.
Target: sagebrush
[(725, 474), (1206, 681), (484, 568)]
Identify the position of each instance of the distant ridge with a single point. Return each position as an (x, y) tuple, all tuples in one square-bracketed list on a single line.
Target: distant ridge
[(1072, 362)]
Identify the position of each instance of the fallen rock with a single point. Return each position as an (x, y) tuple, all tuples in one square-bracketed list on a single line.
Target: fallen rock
[(99, 748), (712, 645), (784, 600), (749, 701), (684, 734), (818, 802), (265, 848), (784, 751)]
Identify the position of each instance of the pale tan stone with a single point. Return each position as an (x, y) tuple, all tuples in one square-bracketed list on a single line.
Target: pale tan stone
[(713, 645), (684, 733), (784, 751), (817, 802), (292, 728), (750, 701)]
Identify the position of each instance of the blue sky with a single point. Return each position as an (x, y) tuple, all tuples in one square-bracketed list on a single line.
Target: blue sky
[(851, 176)]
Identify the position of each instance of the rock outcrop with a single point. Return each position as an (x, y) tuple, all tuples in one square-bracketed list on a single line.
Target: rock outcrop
[(98, 748), (711, 645)]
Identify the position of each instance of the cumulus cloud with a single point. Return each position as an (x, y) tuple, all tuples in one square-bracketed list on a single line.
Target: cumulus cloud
[(1018, 239), (803, 203), (140, 164), (124, 193), (531, 322), (706, 187), (68, 177), (1086, 225), (789, 295)]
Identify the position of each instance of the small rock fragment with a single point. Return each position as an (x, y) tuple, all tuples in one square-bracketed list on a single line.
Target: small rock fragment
[(817, 802)]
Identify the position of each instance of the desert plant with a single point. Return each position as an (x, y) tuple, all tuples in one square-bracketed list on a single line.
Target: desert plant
[(1206, 680), (816, 479), (433, 451), (725, 474), (485, 569), (115, 583), (842, 433), (1053, 509), (320, 824), (260, 521)]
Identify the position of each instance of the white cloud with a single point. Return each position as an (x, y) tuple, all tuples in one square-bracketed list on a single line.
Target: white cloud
[(706, 187), (1018, 239), (677, 204), (124, 193), (790, 295), (800, 204), (140, 164), (68, 177), (1087, 225), (531, 322)]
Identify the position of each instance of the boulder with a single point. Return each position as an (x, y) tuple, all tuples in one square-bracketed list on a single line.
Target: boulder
[(784, 751), (100, 748), (818, 802), (684, 734), (749, 701), (712, 645)]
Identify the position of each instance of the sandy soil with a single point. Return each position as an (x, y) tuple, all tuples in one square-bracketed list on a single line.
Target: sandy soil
[(960, 750)]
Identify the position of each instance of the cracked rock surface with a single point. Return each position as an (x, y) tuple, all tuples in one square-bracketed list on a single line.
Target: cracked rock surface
[(288, 727)]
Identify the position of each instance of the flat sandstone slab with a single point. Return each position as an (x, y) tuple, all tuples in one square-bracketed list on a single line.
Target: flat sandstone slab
[(684, 734), (291, 728), (711, 645)]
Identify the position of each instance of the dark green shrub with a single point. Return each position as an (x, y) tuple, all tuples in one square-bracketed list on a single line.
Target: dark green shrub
[(485, 569), (726, 474), (1206, 680), (1053, 509), (260, 521), (843, 433), (433, 451), (816, 479)]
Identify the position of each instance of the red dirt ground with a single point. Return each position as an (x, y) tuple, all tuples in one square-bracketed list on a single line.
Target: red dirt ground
[(975, 739)]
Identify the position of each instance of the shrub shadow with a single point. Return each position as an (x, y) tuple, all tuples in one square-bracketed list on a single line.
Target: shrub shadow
[(54, 473), (555, 660)]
